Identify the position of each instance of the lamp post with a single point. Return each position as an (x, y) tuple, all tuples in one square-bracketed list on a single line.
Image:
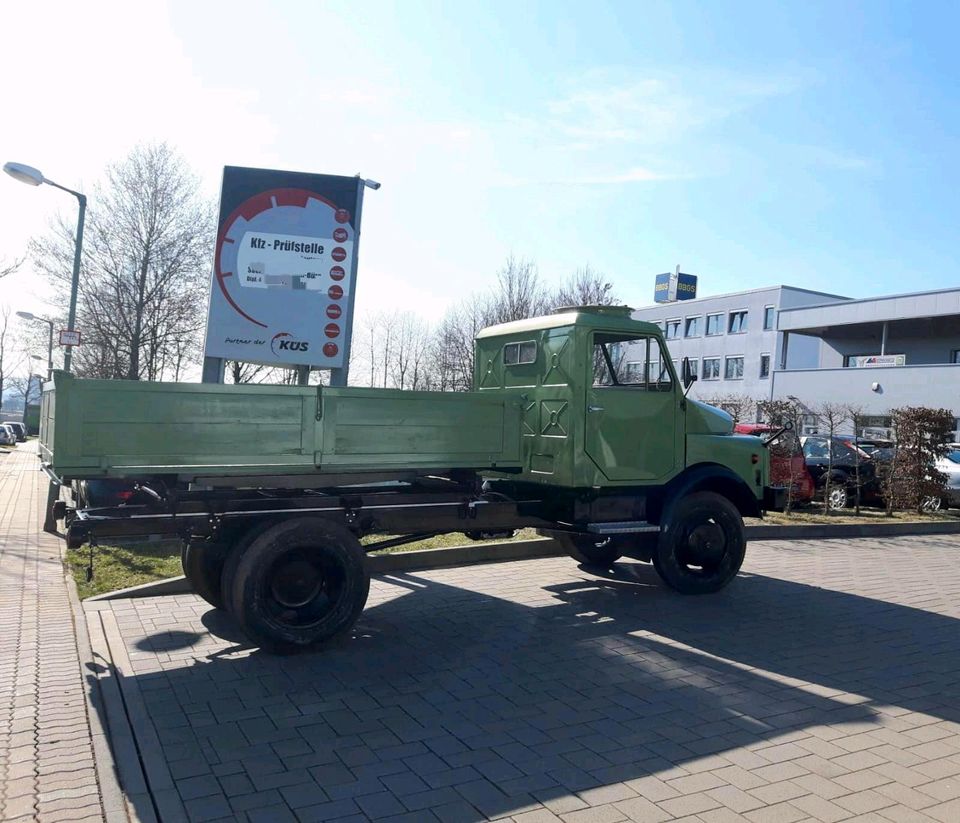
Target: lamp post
[(34, 177), (26, 315)]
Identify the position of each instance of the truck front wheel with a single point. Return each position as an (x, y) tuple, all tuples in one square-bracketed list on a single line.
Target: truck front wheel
[(701, 547), (298, 584)]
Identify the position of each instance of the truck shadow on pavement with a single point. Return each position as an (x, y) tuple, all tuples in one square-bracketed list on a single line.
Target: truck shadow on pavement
[(472, 705)]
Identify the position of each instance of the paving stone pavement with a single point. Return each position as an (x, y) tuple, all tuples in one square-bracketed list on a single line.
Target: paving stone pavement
[(822, 685), (47, 767)]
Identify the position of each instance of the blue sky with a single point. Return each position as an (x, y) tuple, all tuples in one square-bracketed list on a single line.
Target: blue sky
[(809, 144)]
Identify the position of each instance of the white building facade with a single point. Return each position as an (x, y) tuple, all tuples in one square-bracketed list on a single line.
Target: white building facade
[(783, 342)]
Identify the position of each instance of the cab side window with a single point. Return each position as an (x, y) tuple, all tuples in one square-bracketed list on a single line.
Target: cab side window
[(633, 361)]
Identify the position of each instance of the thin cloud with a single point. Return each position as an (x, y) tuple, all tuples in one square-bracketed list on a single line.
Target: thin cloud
[(606, 107)]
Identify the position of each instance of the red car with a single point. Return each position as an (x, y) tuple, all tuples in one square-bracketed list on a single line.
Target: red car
[(787, 464)]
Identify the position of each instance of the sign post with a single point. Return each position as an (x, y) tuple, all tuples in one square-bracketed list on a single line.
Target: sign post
[(285, 268)]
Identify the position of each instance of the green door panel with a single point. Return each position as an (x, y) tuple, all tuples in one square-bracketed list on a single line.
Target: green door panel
[(630, 433)]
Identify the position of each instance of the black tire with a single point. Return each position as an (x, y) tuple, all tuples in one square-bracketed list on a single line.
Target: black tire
[(702, 546), (203, 567), (297, 584), (590, 549)]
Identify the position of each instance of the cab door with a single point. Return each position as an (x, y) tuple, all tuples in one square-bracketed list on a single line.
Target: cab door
[(632, 409)]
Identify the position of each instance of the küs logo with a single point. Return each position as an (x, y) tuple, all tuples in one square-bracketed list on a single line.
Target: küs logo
[(283, 341)]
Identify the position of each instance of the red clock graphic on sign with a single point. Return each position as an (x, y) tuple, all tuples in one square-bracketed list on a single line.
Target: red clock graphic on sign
[(339, 254), (331, 330), (334, 311), (340, 235), (334, 292), (330, 349), (277, 211), (337, 273)]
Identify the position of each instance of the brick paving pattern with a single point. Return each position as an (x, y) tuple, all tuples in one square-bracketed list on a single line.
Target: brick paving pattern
[(47, 770), (822, 685)]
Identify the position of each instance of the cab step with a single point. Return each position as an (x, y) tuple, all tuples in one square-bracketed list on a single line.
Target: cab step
[(622, 527)]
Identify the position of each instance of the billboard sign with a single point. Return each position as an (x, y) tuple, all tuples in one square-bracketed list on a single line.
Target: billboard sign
[(284, 268), (673, 286), (661, 289), (872, 361)]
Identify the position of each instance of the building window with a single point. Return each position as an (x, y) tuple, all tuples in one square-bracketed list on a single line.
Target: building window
[(809, 424), (733, 369), (673, 329), (955, 356), (737, 323), (764, 366), (714, 326), (711, 368), (691, 327), (768, 317)]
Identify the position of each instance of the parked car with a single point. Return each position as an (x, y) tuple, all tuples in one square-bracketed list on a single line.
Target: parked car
[(8, 437), (950, 466), (787, 464), (847, 459), (20, 431), (867, 445)]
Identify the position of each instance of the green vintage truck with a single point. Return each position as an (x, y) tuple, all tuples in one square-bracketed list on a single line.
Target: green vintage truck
[(578, 425)]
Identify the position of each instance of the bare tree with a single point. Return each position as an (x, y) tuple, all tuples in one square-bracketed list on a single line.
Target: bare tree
[(517, 294), (832, 417), (147, 252), (739, 406), (854, 414), (785, 449), (411, 345), (910, 478), (585, 287), (9, 268)]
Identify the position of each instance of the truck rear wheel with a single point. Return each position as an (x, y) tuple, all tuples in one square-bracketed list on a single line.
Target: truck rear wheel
[(702, 546), (297, 584), (203, 566), (589, 549)]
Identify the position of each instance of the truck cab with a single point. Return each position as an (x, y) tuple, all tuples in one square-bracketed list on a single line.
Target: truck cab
[(603, 408)]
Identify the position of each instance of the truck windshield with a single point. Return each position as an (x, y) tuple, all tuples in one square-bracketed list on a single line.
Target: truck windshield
[(630, 360)]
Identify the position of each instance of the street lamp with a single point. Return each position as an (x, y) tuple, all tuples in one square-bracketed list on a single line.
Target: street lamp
[(26, 315), (34, 177)]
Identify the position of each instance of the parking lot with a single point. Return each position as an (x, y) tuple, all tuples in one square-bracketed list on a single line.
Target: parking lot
[(821, 685)]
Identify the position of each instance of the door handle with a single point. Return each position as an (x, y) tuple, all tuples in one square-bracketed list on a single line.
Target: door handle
[(594, 408)]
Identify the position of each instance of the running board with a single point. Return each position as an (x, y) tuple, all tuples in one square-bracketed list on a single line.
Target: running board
[(622, 527)]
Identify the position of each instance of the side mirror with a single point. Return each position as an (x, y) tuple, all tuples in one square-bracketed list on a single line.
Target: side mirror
[(687, 375)]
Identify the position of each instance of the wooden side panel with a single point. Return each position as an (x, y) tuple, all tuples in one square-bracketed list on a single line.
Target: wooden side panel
[(376, 427), (117, 427)]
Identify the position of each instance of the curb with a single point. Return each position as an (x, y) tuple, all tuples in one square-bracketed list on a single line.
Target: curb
[(504, 552), (828, 531)]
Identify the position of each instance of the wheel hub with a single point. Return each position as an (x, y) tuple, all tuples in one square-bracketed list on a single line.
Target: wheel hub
[(296, 583), (706, 545)]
